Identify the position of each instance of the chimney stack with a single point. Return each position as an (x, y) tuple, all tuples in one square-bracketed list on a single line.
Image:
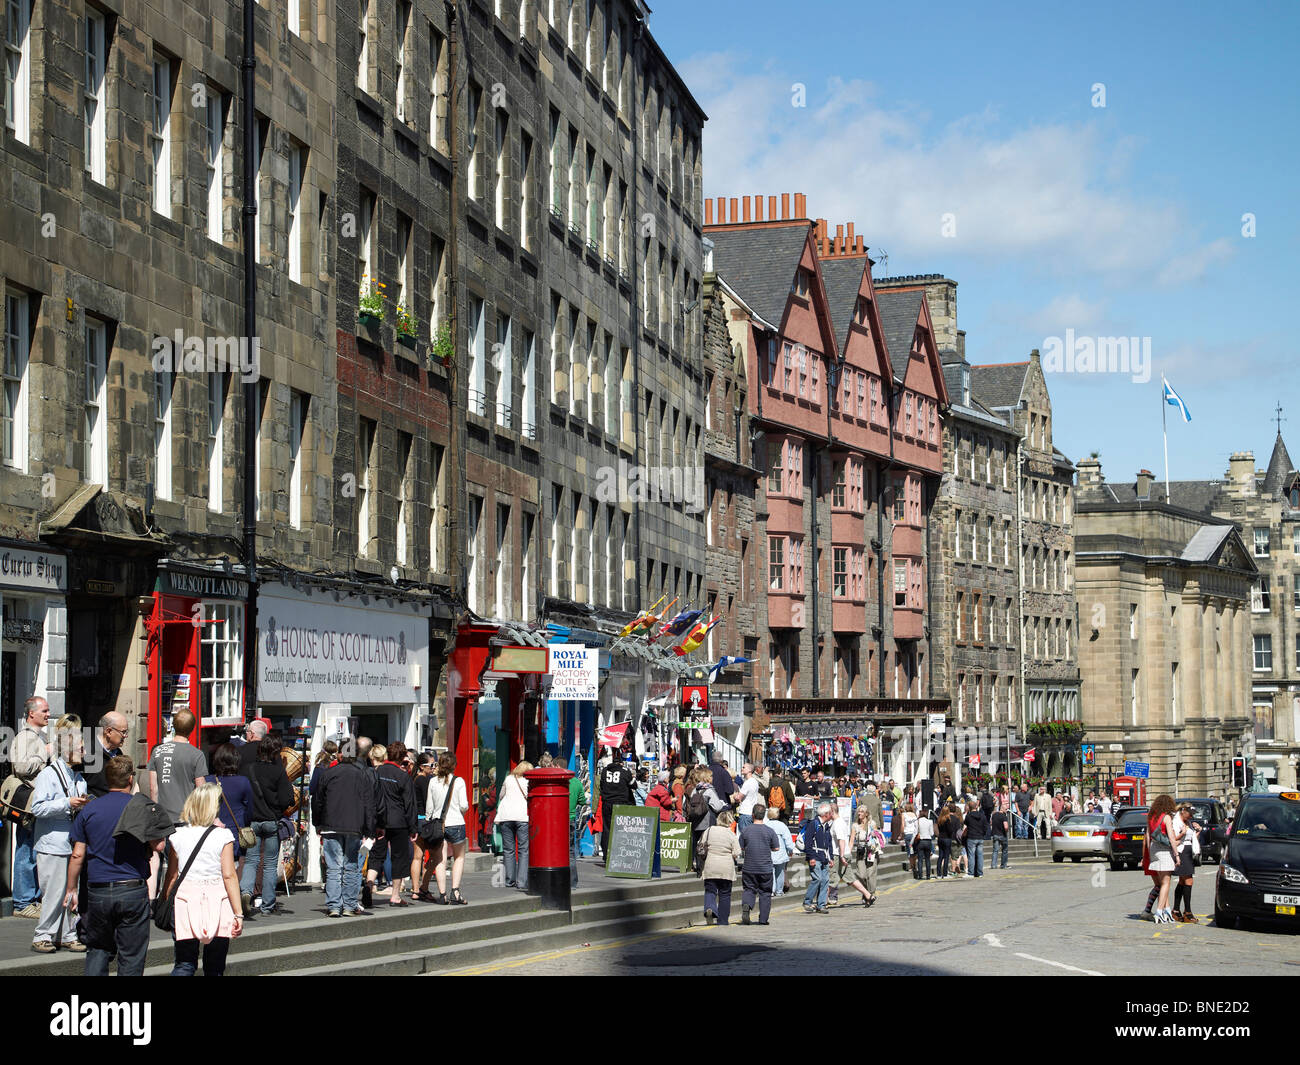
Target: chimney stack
[(1241, 472), (744, 206), (708, 211), (758, 208), (800, 205), (1143, 486), (1089, 471), (785, 206)]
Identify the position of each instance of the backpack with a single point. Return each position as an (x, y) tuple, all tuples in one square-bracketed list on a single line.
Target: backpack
[(697, 806), (776, 797), (16, 797)]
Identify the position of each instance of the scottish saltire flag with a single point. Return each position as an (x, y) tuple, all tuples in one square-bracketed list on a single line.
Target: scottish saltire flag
[(725, 661), (1175, 400)]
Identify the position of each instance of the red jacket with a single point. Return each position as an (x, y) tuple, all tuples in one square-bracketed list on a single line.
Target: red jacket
[(661, 797)]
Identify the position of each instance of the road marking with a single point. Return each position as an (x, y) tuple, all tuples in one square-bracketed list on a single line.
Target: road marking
[(993, 940), (1060, 965)]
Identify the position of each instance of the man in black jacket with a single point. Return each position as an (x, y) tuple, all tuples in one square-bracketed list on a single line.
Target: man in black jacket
[(396, 829), (616, 783), (343, 810), (272, 795)]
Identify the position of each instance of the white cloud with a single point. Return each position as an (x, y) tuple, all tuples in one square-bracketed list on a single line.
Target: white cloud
[(1052, 190), (1191, 266)]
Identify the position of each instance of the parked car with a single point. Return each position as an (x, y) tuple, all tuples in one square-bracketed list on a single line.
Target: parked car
[(1212, 816), (1259, 873), (1128, 837), (1079, 836)]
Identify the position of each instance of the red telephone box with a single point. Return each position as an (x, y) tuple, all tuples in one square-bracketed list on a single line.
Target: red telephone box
[(1130, 791)]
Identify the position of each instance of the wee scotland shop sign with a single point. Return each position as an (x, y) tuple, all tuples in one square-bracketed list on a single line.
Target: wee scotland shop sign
[(675, 846), (633, 841)]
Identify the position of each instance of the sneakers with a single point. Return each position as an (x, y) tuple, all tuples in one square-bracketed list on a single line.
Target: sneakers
[(808, 909), (335, 913), (744, 915), (31, 910), (246, 901), (821, 909), (76, 946), (43, 946)]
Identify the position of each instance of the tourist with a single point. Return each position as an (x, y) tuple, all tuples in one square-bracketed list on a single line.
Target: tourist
[(781, 857), (447, 801), (59, 793), (924, 842), (512, 820), (272, 794), (30, 753), (397, 823), (721, 852), (819, 849), (758, 843), (343, 811), (207, 907)]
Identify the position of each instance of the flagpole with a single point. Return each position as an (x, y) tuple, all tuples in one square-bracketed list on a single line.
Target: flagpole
[(1164, 428)]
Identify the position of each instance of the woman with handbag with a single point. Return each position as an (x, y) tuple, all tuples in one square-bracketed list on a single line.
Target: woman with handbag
[(1159, 853), (201, 893), (720, 850), (236, 810), (512, 820), (272, 794), (444, 828)]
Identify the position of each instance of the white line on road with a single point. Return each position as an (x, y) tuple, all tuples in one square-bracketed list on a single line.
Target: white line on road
[(1058, 964)]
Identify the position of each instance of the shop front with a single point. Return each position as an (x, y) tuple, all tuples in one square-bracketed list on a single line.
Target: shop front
[(34, 647), (335, 661), (195, 638)]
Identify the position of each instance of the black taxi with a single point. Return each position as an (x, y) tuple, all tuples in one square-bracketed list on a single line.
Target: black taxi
[(1259, 874)]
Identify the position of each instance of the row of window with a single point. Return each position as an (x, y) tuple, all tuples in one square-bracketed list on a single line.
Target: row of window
[(847, 679), (996, 698), (1052, 704), (1264, 653), (685, 587), (1263, 533)]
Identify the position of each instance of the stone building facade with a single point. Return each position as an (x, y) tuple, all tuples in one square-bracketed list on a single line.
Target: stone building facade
[(1165, 594)]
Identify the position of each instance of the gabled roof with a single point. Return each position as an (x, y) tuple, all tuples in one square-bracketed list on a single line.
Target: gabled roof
[(760, 262), (843, 280), (1205, 543), (1197, 496), (999, 385), (898, 314), (1279, 466)]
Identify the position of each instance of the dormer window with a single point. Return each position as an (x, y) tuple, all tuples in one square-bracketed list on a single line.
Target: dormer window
[(801, 284)]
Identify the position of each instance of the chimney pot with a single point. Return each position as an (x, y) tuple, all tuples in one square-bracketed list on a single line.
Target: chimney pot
[(758, 208), (771, 208), (708, 212), (722, 211), (735, 214), (849, 233), (744, 206), (785, 207), (800, 205)]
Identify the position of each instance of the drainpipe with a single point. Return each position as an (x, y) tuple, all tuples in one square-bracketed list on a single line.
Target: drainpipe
[(248, 68), (817, 657), (638, 28), (1020, 509), (456, 456)]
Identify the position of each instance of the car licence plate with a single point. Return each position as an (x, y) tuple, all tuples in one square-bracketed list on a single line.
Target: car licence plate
[(1077, 834), (1139, 835), (1283, 901)]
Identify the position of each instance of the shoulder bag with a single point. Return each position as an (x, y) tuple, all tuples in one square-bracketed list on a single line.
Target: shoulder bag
[(247, 837), (164, 906), (431, 830)]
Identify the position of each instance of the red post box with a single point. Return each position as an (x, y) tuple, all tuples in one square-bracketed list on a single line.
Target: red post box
[(548, 836)]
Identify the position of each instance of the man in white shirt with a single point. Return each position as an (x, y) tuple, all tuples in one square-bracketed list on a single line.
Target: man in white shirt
[(750, 789), (840, 829)]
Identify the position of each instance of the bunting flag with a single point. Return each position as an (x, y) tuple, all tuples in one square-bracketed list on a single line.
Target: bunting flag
[(695, 637), (613, 735), (635, 624), (651, 619), (677, 625), (725, 661)]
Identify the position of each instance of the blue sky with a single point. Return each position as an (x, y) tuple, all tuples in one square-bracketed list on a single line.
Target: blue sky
[(1123, 220)]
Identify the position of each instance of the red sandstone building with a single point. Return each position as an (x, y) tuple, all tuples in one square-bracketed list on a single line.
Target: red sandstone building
[(845, 400)]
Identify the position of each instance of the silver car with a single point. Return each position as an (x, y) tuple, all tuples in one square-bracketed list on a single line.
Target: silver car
[(1079, 836)]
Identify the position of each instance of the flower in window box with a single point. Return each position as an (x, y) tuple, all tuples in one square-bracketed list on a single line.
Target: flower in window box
[(405, 324), (371, 305)]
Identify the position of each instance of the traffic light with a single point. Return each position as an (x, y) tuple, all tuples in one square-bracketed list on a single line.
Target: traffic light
[(1239, 772)]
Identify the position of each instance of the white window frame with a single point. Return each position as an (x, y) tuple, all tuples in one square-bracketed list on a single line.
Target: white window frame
[(401, 535), (473, 527), (216, 418), (18, 69), (95, 420), (94, 94), (437, 457), (1261, 542), (526, 565), (221, 661), (163, 384), (402, 41), (297, 154), (528, 400), (366, 433), (215, 156), (293, 17), (477, 360), (298, 406), (160, 135), (14, 380), (501, 591), (363, 46), (1262, 658), (504, 358), (435, 83), (501, 134)]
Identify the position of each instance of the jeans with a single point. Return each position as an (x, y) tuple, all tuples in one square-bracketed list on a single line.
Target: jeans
[(945, 856), (1022, 826), (760, 885), (923, 848), (117, 926), (515, 833), (717, 897), (999, 842), (268, 847), (975, 857), (575, 830), (743, 821), (819, 882), (25, 889), (53, 869), (778, 878), (342, 872), (214, 957)]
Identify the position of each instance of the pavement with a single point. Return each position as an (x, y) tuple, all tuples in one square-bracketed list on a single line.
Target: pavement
[(1039, 920)]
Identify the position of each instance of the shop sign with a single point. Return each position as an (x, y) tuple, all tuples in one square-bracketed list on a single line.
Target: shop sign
[(24, 630), (313, 650), (728, 710), (695, 707), (40, 571), (201, 585), (632, 842), (575, 672), (675, 846), (937, 725), (95, 586)]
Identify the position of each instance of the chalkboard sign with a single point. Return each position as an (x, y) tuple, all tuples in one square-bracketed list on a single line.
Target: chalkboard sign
[(632, 842), (675, 846)]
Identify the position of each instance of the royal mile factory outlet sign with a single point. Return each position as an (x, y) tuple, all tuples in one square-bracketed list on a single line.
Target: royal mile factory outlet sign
[(314, 650)]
